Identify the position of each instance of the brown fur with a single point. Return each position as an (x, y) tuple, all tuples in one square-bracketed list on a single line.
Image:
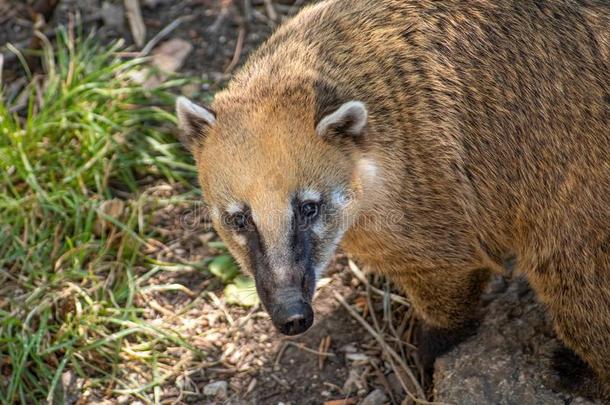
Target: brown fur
[(489, 122)]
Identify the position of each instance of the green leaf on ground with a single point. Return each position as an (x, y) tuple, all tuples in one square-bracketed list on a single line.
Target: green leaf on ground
[(242, 292), (224, 267)]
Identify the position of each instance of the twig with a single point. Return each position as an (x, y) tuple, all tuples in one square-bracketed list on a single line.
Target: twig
[(220, 305), (238, 48), (323, 348), (279, 381), (222, 15), (136, 22), (162, 34), (360, 276), (301, 347), (392, 354), (270, 10), (247, 10)]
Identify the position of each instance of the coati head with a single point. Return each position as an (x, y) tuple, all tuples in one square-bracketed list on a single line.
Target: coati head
[(284, 181)]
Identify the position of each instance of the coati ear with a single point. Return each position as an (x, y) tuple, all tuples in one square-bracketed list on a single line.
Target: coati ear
[(349, 120), (194, 121)]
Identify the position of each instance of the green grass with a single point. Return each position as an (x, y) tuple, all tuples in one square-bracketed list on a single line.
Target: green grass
[(83, 133)]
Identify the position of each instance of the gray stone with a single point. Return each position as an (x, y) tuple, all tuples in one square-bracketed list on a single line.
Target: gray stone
[(376, 397), (218, 389), (508, 361), (113, 15)]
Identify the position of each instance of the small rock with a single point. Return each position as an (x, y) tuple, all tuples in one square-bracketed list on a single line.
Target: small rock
[(357, 357), (113, 16), (349, 348), (217, 389), (395, 385), (376, 397), (354, 382)]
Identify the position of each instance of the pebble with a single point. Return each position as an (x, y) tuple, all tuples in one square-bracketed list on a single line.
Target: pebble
[(113, 15), (217, 389), (376, 397)]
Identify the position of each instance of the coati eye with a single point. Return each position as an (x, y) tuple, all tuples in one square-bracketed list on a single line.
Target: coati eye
[(239, 221), (310, 210)]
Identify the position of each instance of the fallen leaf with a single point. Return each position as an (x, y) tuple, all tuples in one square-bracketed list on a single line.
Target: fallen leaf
[(242, 292), (224, 267), (170, 55)]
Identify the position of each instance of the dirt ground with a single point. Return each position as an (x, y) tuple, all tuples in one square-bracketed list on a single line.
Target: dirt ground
[(338, 358)]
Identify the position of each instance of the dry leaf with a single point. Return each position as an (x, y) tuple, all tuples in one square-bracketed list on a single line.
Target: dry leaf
[(170, 55)]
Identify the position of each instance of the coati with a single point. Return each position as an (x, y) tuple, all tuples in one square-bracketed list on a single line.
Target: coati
[(432, 140)]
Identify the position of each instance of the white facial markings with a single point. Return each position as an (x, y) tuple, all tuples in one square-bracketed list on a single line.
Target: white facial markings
[(367, 168), (310, 195), (340, 198), (234, 207), (328, 254), (275, 223)]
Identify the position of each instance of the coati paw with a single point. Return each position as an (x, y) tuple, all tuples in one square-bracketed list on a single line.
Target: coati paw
[(577, 377), (433, 342)]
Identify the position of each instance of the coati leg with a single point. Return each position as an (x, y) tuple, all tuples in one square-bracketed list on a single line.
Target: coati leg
[(446, 301), (576, 291)]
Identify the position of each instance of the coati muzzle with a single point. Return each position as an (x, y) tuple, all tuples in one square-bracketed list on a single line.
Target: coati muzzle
[(292, 318)]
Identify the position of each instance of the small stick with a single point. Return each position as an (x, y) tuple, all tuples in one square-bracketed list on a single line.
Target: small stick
[(277, 379), (163, 33), (360, 276), (270, 10), (136, 22), (247, 10), (383, 344), (323, 348), (301, 347), (241, 36), (222, 15)]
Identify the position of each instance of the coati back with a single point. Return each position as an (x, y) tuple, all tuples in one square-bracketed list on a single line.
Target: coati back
[(432, 140)]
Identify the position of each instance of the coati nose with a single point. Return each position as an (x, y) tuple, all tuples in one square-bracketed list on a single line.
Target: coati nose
[(294, 319)]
